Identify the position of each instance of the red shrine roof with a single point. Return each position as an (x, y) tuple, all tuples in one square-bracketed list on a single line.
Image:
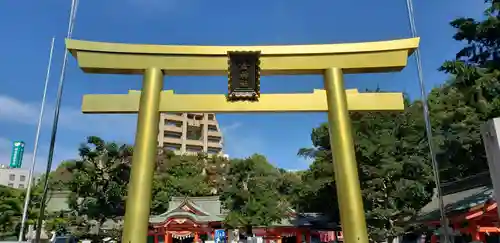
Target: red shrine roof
[(204, 210), (197, 209)]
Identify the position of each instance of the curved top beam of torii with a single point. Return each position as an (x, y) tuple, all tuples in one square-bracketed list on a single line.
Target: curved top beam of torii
[(184, 60)]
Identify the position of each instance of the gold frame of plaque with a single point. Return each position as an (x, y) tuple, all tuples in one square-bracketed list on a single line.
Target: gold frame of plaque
[(155, 61)]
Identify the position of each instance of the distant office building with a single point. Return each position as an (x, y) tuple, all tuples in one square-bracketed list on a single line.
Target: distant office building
[(14, 177), (189, 133)]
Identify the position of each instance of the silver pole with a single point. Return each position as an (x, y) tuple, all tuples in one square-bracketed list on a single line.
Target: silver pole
[(41, 215), (35, 149), (428, 126)]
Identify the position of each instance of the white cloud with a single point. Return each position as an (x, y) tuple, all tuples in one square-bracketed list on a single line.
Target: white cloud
[(73, 128), (230, 128), (119, 127), (240, 145), (14, 110)]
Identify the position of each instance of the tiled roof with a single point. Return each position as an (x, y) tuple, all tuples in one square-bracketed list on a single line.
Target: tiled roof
[(212, 211), (209, 208), (456, 202), (459, 197)]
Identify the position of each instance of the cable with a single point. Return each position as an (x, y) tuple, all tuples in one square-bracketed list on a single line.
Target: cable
[(39, 225), (35, 147), (428, 127)]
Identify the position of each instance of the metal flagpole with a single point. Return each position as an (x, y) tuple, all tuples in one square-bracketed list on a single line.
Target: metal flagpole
[(35, 149), (428, 126), (71, 22)]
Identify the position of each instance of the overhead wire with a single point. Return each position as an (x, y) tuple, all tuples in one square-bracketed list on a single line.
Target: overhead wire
[(428, 126), (35, 146), (41, 215)]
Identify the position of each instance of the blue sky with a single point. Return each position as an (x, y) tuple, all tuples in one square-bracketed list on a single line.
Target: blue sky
[(28, 26)]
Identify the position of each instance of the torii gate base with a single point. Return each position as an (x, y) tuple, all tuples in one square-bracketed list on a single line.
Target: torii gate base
[(331, 61)]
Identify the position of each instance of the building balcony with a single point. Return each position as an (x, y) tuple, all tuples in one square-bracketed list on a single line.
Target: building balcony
[(215, 145), (175, 117), (215, 134), (172, 140), (194, 148), (194, 142), (173, 129)]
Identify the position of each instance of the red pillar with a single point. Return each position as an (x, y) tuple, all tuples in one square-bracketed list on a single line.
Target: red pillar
[(434, 238), (298, 236), (482, 237), (474, 231)]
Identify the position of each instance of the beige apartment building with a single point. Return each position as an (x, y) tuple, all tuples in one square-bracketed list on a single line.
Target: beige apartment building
[(187, 133)]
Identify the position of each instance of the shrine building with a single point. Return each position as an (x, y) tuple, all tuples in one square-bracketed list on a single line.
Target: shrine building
[(195, 219), (471, 211)]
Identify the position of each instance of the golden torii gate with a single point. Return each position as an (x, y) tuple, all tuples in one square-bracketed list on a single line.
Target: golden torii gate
[(155, 61)]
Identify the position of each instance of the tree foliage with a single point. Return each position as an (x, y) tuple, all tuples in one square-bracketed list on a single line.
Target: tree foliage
[(10, 211), (391, 149), (470, 97), (98, 183), (252, 196), (188, 175), (394, 170), (99, 180)]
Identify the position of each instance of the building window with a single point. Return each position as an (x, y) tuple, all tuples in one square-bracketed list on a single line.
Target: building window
[(213, 150), (21, 186), (172, 146), (194, 149), (173, 123), (194, 133), (213, 139), (12, 177), (11, 185), (169, 134), (197, 117), (211, 117), (22, 178), (212, 128)]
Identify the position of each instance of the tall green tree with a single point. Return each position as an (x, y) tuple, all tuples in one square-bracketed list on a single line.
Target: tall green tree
[(470, 97), (179, 176), (394, 170), (99, 180), (252, 194)]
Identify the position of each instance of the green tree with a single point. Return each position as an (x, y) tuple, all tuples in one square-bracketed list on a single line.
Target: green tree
[(10, 212), (290, 186), (395, 174), (179, 176), (11, 209), (99, 181), (470, 97), (252, 194)]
